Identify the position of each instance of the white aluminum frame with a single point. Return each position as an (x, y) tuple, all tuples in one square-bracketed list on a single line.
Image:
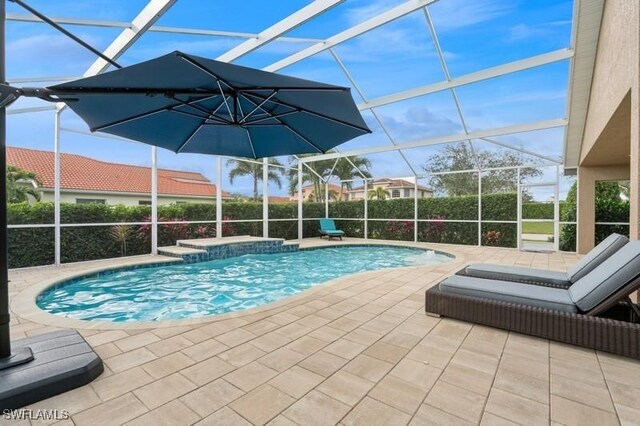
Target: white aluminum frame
[(145, 22)]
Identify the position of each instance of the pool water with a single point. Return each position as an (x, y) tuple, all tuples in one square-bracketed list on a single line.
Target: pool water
[(178, 291)]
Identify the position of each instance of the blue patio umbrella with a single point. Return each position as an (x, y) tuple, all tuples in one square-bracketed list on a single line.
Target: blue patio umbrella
[(187, 103)]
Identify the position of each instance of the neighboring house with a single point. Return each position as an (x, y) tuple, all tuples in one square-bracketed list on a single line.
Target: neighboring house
[(279, 199), (86, 180), (397, 188), (308, 192)]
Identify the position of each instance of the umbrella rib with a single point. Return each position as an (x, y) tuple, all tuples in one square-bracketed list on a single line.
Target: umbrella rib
[(183, 144), (269, 117), (291, 129), (244, 119), (202, 110), (216, 119), (139, 116), (253, 149), (317, 114)]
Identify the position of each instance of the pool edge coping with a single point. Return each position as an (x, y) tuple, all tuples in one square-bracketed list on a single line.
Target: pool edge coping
[(24, 303)]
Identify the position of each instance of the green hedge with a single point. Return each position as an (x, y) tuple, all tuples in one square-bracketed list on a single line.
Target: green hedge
[(35, 246)]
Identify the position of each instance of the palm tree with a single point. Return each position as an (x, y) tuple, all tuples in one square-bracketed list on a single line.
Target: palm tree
[(254, 170), (19, 185), (378, 193), (347, 171), (322, 170)]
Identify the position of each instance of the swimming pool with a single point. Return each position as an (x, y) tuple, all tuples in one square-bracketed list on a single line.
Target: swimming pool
[(179, 291)]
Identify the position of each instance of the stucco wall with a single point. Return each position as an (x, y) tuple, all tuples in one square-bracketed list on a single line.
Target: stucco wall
[(616, 75), (128, 200)]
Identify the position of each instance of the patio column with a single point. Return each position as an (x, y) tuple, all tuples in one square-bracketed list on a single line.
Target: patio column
[(300, 229), (265, 197), (56, 186), (415, 210), (587, 178), (634, 192), (154, 200), (366, 209), (218, 197)]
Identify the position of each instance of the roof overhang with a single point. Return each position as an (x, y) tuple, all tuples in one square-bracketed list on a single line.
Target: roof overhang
[(587, 17)]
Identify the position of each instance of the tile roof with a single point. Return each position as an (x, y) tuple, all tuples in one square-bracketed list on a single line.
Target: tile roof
[(87, 174)]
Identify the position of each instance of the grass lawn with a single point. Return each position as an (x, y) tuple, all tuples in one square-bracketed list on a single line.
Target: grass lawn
[(537, 228)]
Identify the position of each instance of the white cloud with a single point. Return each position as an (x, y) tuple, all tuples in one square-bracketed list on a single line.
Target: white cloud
[(455, 14), (524, 32)]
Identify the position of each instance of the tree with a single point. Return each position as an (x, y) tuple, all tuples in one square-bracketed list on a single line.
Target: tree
[(314, 173), (347, 171), (317, 172), (378, 193), (19, 185), (254, 170), (460, 157)]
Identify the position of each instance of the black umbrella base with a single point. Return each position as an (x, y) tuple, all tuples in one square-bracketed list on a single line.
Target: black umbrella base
[(60, 361)]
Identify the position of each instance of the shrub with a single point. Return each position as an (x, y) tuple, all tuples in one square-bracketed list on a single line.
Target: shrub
[(35, 246)]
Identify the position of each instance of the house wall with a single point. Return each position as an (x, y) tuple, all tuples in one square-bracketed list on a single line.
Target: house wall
[(126, 199), (611, 140), (359, 195)]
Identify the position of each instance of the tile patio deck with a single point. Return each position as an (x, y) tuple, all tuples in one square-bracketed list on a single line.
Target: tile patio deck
[(357, 350)]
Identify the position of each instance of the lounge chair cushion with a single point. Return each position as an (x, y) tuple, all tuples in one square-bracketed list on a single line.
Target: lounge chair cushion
[(512, 273), (595, 257), (507, 291), (613, 274), (325, 232)]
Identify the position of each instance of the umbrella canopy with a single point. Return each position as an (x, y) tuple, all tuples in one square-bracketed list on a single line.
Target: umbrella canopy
[(187, 103)]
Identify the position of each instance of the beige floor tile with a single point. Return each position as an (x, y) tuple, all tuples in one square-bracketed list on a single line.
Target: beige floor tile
[(105, 337), (296, 381), (345, 387), (323, 363), (586, 393), (306, 345), (170, 345), (164, 390), (171, 414), (628, 415), (516, 408), (168, 364), (262, 404), (316, 408), (468, 378), (489, 419), (628, 374), (271, 341), (281, 359), (368, 368), (624, 394), (235, 337), (457, 401), (104, 351), (386, 352), (250, 376), (538, 369), (327, 334), (224, 417), (417, 373), (572, 413), (121, 383), (399, 394), (129, 360), (477, 361), (523, 385), (571, 369), (402, 339), (211, 397), (241, 355), (344, 348), (136, 341), (362, 336), (207, 371), (372, 412), (73, 401), (205, 349), (117, 411), (428, 415)]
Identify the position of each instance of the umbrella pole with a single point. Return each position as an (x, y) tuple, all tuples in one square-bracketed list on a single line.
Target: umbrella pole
[(23, 354)]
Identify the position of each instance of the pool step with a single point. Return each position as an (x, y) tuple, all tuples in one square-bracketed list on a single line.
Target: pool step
[(204, 249), (188, 254)]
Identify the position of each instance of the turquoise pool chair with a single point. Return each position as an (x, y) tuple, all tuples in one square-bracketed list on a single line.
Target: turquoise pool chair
[(328, 229)]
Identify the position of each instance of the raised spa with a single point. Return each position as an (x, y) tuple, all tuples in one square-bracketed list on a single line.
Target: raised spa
[(178, 291)]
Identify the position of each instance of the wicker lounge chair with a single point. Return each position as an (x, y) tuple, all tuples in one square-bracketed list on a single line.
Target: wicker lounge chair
[(328, 229), (588, 263), (595, 312)]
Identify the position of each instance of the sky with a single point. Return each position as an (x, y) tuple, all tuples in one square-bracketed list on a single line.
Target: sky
[(401, 55)]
